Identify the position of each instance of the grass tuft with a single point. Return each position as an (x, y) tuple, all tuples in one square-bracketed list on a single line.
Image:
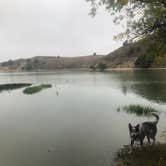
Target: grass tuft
[(36, 89), (139, 110)]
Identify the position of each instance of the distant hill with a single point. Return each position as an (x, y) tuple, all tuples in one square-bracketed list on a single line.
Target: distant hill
[(143, 53), (50, 63), (125, 57)]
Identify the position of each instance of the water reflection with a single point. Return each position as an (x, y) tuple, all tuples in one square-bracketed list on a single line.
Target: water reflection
[(153, 91), (147, 84)]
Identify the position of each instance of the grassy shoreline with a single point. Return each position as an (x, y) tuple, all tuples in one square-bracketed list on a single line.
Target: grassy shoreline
[(148, 155), (80, 69), (123, 69)]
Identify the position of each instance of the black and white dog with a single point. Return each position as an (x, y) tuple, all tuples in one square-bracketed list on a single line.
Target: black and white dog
[(145, 129)]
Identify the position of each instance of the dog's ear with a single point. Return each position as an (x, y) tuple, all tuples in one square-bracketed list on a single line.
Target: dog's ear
[(130, 126)]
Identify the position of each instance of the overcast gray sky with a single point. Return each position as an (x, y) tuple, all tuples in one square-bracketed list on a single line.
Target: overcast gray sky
[(53, 27)]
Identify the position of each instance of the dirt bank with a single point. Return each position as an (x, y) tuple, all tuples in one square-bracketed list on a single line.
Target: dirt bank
[(148, 155)]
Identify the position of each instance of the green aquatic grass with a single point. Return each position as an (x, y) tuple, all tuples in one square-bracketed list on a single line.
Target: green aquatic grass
[(36, 89), (138, 110), (13, 86)]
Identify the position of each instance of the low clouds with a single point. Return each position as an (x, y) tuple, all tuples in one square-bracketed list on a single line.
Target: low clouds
[(53, 27)]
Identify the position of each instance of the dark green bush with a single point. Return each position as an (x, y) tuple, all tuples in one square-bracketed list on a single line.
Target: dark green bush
[(101, 66)]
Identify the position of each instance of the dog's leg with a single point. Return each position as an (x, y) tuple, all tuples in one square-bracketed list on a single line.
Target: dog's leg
[(154, 139), (141, 142), (131, 146), (132, 143), (148, 139)]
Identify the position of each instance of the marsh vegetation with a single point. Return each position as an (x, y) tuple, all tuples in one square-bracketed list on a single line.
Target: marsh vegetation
[(36, 89), (13, 86), (138, 110)]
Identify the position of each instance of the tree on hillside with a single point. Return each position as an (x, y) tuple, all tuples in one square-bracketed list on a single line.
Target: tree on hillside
[(28, 66), (93, 68), (8, 63), (94, 54), (101, 66), (143, 17)]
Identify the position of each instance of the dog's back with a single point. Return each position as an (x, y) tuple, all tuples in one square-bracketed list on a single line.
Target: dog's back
[(149, 129)]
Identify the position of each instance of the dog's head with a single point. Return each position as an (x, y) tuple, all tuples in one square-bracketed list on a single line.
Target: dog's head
[(134, 131)]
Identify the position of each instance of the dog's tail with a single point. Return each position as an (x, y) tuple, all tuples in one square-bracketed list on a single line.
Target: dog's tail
[(157, 117)]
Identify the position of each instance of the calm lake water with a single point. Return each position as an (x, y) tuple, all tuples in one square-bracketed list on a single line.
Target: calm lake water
[(76, 122)]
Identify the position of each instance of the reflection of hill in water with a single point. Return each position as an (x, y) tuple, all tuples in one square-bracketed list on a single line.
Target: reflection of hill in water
[(152, 91), (148, 84)]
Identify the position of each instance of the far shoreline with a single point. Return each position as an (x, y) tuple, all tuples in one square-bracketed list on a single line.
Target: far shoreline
[(123, 69), (81, 69)]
